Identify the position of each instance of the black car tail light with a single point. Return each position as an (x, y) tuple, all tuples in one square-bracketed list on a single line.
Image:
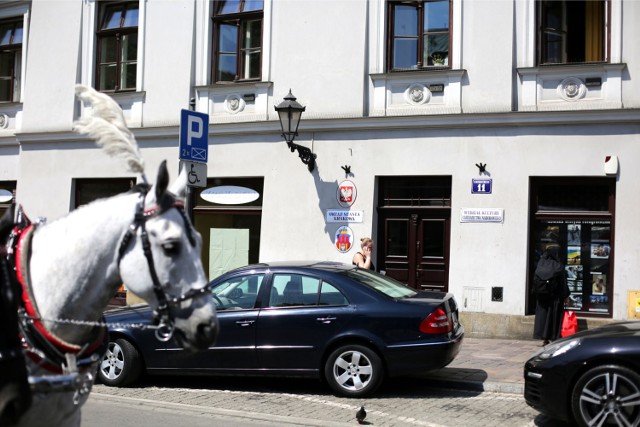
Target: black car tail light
[(436, 323)]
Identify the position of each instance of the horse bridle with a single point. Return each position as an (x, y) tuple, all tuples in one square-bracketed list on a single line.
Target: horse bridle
[(162, 315)]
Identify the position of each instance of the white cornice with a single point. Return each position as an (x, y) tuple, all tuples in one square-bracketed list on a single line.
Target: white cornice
[(347, 125)]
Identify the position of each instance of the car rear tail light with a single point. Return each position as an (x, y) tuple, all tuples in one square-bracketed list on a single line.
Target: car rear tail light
[(436, 323)]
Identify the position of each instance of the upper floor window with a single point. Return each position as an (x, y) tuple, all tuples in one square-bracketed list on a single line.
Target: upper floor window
[(237, 36), (572, 31), (10, 59), (117, 37), (419, 34)]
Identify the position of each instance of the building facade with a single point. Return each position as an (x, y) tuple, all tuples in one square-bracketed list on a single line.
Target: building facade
[(463, 136)]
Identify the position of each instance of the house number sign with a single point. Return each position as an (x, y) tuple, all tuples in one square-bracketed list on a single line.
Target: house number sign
[(481, 186)]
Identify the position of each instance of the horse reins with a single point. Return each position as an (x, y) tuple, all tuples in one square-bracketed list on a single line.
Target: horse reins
[(162, 314)]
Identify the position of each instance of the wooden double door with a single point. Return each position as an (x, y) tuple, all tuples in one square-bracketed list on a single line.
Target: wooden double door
[(415, 247)]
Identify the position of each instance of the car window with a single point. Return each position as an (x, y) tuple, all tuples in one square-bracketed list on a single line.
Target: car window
[(294, 290), (330, 295), (380, 283), (238, 292)]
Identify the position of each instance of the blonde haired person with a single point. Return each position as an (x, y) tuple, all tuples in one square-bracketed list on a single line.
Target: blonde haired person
[(363, 259)]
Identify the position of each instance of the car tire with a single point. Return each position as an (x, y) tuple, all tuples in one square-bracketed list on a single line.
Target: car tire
[(354, 371), (121, 365), (601, 392)]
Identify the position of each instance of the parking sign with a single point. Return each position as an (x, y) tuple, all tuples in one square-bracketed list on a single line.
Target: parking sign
[(194, 136)]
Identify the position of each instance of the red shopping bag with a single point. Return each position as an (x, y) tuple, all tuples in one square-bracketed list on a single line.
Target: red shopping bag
[(569, 324)]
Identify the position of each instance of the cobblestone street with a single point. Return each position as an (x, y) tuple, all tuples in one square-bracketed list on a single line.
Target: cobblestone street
[(406, 402)]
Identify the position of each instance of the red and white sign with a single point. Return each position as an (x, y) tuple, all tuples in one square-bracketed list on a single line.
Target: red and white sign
[(344, 239), (347, 193)]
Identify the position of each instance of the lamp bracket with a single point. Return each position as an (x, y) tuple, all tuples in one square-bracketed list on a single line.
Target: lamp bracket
[(305, 154)]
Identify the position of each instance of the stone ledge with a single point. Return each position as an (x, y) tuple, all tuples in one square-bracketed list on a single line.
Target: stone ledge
[(485, 325)]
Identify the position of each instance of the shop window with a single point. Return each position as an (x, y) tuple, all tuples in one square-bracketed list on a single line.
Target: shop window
[(228, 215), (7, 195), (237, 32), (572, 31), (88, 190), (419, 34), (10, 59), (578, 215), (117, 55)]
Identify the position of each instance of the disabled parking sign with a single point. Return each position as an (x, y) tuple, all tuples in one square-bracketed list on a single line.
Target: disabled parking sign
[(194, 136)]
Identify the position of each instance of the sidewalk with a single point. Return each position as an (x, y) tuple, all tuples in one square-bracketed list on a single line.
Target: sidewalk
[(486, 364)]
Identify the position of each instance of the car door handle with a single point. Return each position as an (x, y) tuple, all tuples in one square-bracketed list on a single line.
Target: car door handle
[(325, 320), (245, 323)]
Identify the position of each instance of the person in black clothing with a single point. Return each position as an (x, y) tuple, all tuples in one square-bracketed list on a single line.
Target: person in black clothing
[(363, 259), (550, 307)]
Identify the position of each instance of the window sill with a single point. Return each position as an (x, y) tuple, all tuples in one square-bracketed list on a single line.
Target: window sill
[(233, 102), (10, 117), (411, 92), (131, 103), (589, 86)]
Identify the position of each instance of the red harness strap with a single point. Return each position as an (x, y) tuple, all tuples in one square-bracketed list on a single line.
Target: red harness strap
[(22, 254)]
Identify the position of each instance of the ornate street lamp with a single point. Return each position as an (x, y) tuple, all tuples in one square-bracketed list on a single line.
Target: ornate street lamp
[(290, 112)]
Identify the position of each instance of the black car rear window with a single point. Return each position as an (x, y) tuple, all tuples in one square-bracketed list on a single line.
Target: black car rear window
[(380, 283)]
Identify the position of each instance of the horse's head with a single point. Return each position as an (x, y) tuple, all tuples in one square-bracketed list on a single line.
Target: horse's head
[(174, 247)]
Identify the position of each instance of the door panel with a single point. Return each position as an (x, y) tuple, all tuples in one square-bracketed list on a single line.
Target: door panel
[(432, 244), (416, 247)]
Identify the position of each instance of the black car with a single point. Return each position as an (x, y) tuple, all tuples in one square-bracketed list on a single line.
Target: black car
[(349, 326), (592, 377)]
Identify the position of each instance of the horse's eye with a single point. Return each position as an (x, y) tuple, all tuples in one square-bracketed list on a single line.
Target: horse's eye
[(171, 248)]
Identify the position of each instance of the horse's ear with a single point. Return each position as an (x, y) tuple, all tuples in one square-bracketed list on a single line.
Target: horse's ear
[(179, 187), (162, 181)]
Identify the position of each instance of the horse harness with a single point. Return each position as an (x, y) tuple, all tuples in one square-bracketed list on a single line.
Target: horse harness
[(162, 315), (72, 366)]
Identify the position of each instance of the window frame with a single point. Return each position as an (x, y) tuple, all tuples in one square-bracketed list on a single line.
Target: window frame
[(542, 28), (118, 32), (16, 59), (420, 34), (239, 19)]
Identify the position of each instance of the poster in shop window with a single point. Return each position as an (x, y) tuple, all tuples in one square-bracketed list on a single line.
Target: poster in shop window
[(586, 249)]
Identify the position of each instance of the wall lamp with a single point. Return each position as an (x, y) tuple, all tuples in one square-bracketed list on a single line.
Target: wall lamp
[(290, 112)]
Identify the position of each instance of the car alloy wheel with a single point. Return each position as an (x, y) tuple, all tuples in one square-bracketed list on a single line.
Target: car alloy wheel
[(607, 396), (121, 364), (354, 371)]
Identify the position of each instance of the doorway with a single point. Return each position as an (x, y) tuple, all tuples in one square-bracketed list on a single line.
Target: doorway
[(414, 223)]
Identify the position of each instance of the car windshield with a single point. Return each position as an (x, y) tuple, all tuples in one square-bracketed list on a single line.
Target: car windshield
[(380, 283)]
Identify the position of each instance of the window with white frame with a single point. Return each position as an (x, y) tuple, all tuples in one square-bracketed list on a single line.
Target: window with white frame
[(11, 32), (419, 34), (572, 31), (237, 40), (117, 46)]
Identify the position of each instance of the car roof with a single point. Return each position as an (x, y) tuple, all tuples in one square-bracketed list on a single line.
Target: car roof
[(318, 265)]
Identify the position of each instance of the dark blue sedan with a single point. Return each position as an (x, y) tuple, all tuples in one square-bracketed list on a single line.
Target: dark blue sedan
[(348, 326)]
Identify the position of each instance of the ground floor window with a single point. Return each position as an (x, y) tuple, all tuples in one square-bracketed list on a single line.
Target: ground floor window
[(228, 215), (7, 195), (578, 215), (90, 189)]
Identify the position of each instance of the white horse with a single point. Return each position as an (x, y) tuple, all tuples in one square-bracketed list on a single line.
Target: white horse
[(73, 266)]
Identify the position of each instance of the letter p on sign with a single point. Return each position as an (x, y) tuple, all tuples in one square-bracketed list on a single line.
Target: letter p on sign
[(194, 128)]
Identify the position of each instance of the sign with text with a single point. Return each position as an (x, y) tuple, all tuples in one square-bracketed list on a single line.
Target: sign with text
[(344, 216), (194, 136), (481, 186), (481, 215)]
